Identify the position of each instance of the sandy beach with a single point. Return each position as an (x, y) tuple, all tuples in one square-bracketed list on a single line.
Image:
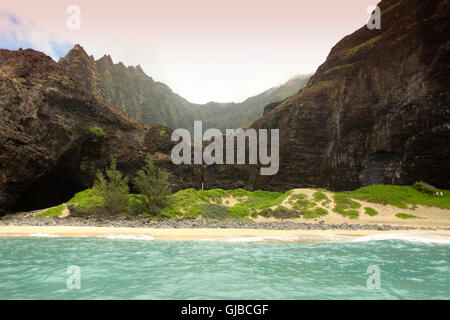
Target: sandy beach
[(232, 235)]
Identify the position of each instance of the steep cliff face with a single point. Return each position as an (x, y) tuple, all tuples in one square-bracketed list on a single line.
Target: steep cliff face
[(377, 111), (47, 151)]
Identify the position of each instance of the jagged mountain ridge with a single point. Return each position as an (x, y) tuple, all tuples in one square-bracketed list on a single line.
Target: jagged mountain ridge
[(154, 103)]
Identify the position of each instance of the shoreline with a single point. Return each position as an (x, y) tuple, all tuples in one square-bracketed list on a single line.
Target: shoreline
[(228, 235)]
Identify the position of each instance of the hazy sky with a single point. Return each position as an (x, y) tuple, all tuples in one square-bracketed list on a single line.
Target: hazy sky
[(205, 50)]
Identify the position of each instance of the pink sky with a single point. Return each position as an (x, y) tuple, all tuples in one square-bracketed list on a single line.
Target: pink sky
[(220, 50)]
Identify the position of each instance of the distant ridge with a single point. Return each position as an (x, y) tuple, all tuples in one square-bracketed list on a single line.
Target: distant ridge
[(154, 103)]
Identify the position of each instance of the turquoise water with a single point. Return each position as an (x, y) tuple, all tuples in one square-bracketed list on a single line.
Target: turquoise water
[(35, 268)]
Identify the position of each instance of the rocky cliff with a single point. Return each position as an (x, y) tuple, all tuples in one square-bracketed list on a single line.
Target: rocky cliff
[(47, 150), (377, 111)]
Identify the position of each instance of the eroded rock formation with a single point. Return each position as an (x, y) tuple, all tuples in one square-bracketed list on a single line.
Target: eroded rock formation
[(47, 151)]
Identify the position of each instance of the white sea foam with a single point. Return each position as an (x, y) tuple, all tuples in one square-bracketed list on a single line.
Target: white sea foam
[(414, 237), (44, 235), (127, 237), (256, 239)]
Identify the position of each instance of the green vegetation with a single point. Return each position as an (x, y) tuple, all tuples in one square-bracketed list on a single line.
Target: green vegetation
[(280, 213), (407, 216), (362, 45), (339, 67), (317, 86), (425, 188), (189, 202), (315, 213), (399, 196), (162, 133), (239, 211), (346, 207), (370, 211), (86, 202), (52, 212), (110, 195), (97, 132), (213, 211), (113, 189), (319, 196), (151, 182)]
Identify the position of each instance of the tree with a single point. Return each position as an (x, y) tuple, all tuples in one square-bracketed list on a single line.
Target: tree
[(151, 181), (113, 188)]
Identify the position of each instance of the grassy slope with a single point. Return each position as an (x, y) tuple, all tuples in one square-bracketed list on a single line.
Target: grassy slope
[(242, 204)]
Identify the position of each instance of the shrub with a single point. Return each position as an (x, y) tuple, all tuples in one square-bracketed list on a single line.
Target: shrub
[(370, 211), (52, 212), (97, 132), (239, 211), (320, 196), (113, 188), (151, 182), (346, 207), (162, 133), (85, 202), (424, 188), (213, 211), (407, 216), (315, 213)]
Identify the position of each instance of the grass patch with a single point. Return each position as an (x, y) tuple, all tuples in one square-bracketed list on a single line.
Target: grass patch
[(370, 211), (86, 202), (53, 212), (425, 188), (213, 211), (339, 67), (400, 196), (407, 216), (239, 211), (318, 86), (362, 45), (345, 206), (315, 213), (281, 213), (97, 132), (320, 196)]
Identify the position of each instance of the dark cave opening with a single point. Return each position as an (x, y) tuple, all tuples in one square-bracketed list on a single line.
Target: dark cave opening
[(52, 189)]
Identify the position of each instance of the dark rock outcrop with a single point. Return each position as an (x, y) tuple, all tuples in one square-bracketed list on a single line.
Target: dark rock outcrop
[(47, 151), (377, 111)]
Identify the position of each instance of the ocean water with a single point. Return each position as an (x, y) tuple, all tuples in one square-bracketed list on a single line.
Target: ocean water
[(40, 268)]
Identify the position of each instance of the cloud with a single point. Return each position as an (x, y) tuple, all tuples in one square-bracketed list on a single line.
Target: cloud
[(18, 33)]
